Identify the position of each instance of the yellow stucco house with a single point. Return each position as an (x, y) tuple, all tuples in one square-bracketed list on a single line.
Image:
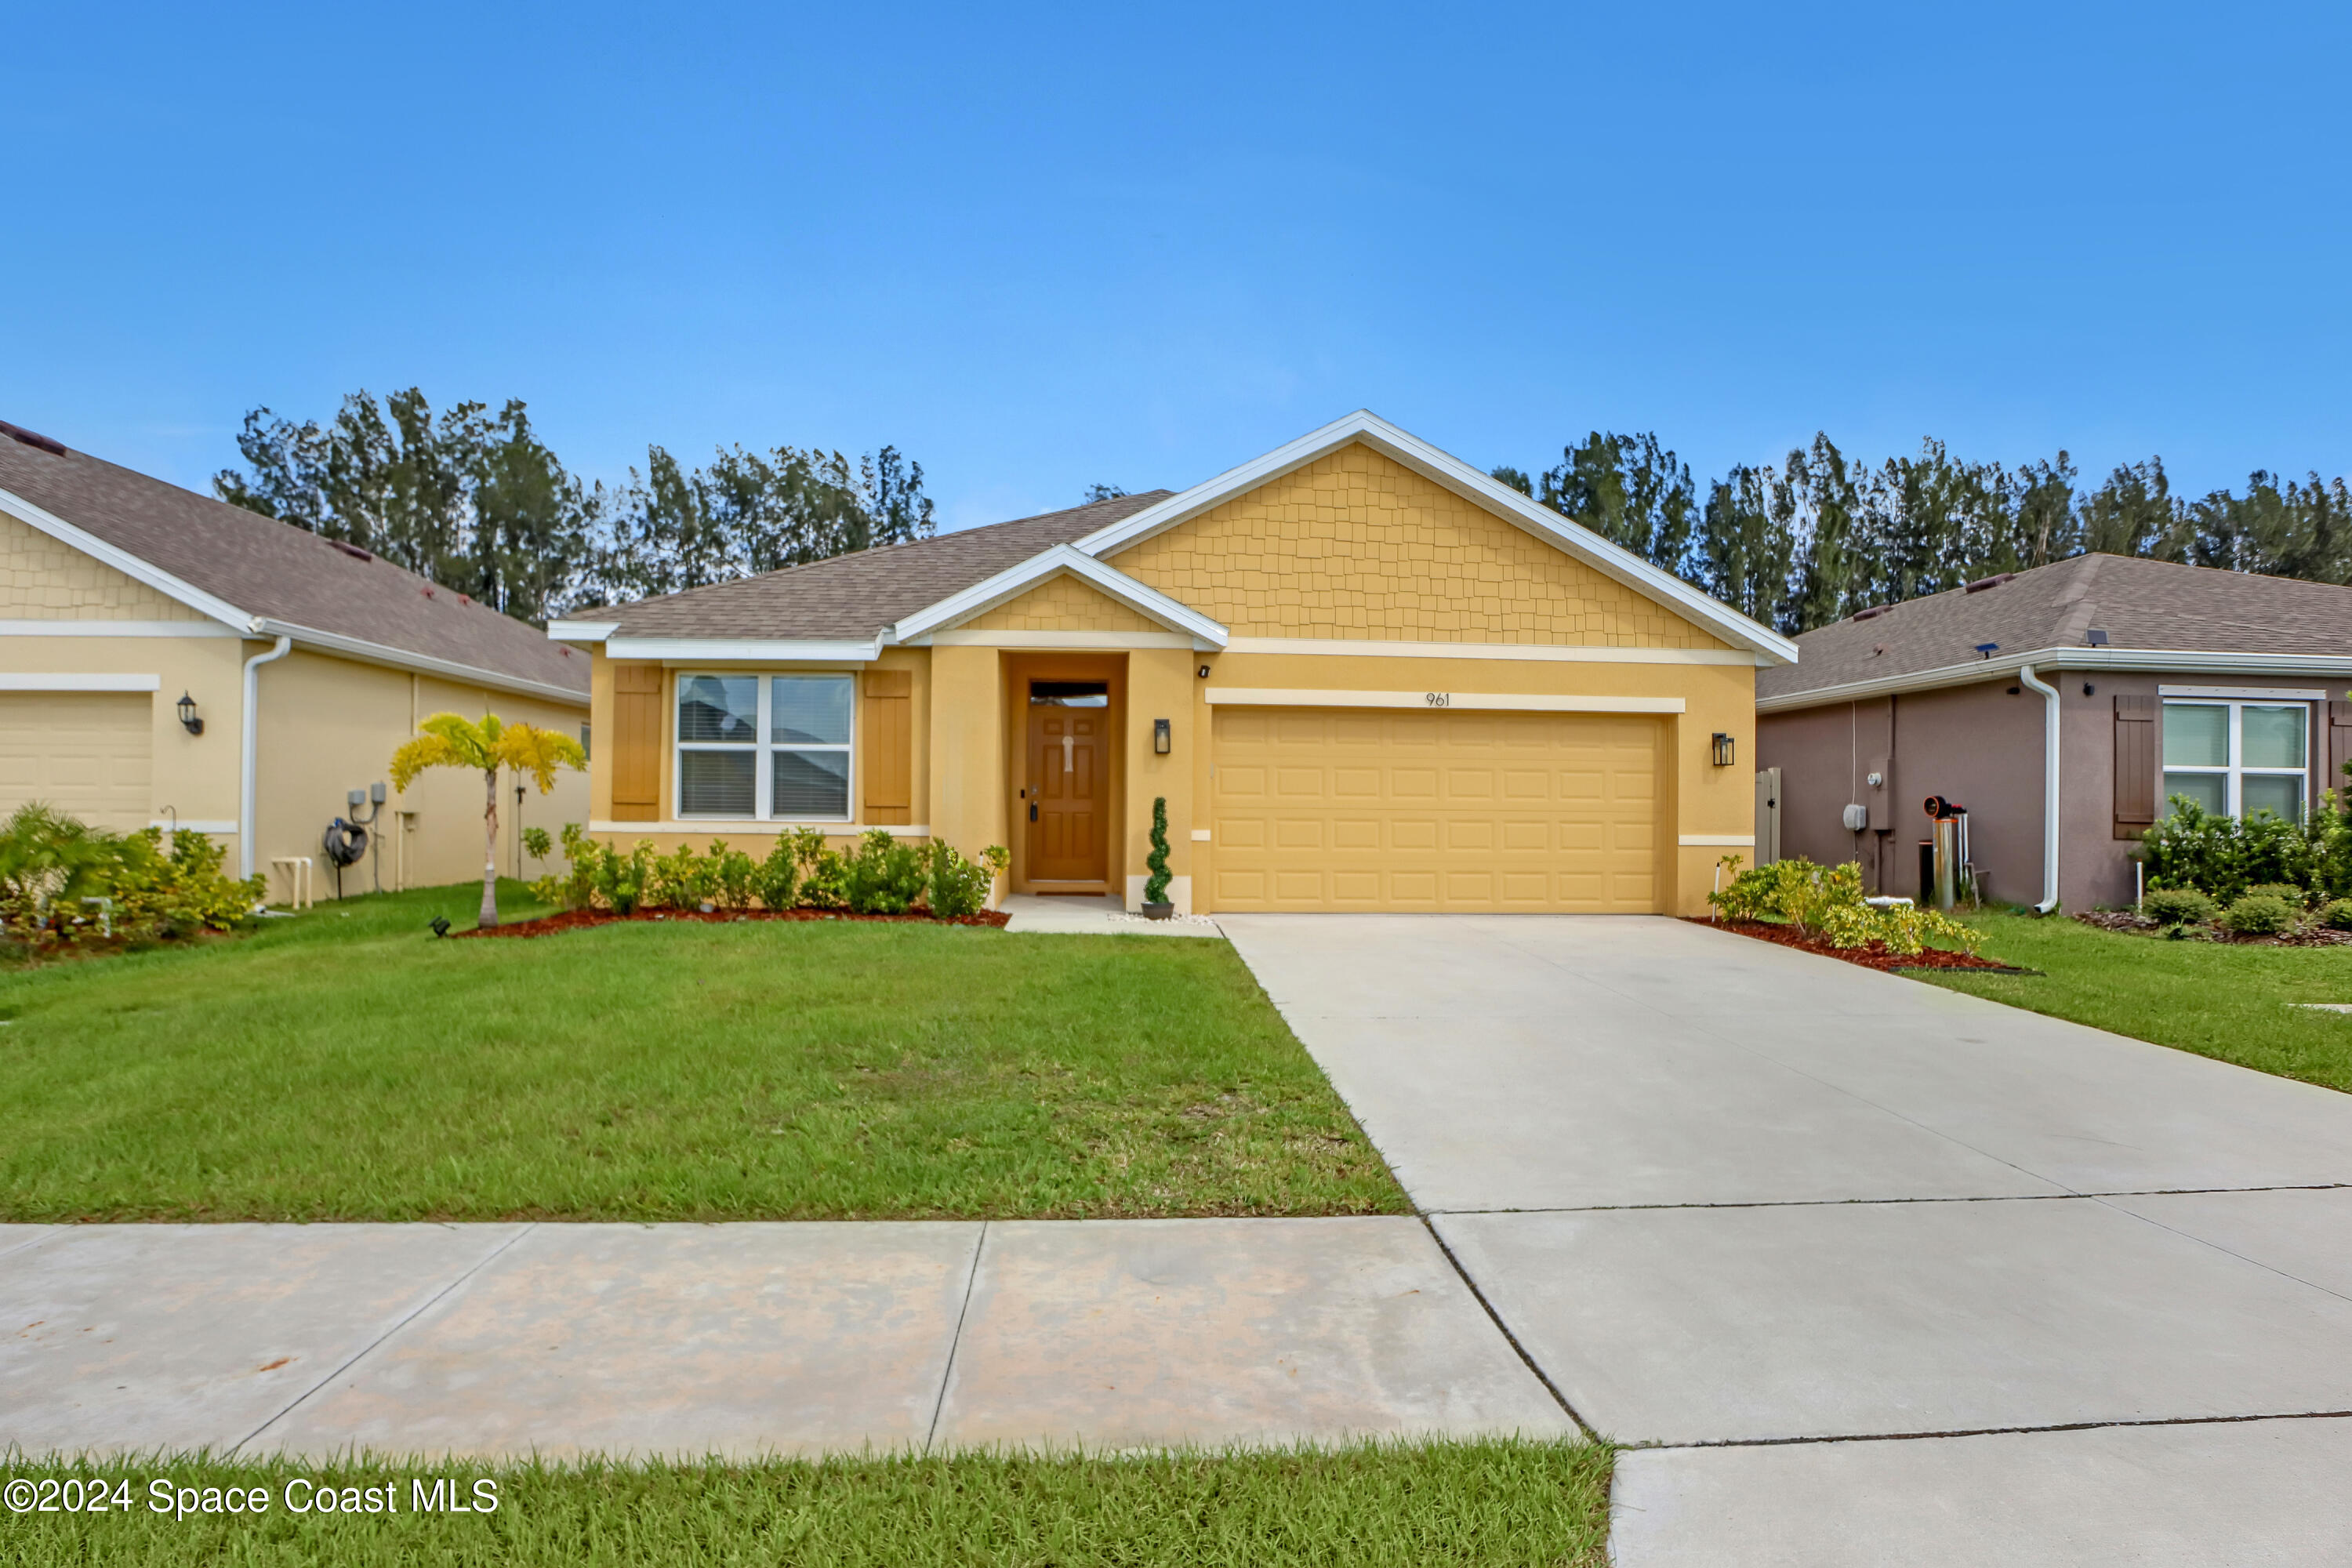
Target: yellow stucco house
[(1363, 676), (303, 664)]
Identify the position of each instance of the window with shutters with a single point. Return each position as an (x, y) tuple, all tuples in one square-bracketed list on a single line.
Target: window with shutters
[(770, 746), (2235, 759)]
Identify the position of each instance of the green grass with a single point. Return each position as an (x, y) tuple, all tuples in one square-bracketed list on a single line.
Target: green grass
[(2214, 998), (1496, 1504), (344, 1065)]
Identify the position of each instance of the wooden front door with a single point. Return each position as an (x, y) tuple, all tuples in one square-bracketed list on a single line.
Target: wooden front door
[(1067, 841)]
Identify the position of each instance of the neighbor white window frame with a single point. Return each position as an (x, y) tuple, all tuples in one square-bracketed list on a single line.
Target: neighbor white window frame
[(762, 746), (2234, 771)]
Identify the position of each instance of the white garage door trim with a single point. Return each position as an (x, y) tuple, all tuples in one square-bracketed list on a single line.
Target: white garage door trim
[(15, 682), (1487, 701)]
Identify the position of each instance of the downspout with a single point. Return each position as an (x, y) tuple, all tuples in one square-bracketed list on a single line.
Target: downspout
[(2049, 787), (252, 741)]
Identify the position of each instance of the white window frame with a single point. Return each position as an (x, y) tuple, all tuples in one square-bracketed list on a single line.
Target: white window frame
[(763, 747), (2234, 771)]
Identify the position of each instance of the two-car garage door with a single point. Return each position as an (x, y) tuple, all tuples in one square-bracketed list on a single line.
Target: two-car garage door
[(1448, 809), (88, 753)]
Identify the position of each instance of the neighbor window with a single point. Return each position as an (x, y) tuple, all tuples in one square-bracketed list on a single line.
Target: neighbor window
[(2235, 759), (764, 746)]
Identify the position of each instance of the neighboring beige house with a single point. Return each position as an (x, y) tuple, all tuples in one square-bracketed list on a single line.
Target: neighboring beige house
[(1362, 674), (305, 662)]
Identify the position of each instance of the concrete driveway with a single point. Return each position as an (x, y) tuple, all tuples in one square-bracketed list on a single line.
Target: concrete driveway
[(1886, 1274)]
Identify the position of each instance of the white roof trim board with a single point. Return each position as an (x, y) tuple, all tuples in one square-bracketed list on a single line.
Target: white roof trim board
[(1014, 581), (1443, 468), (2005, 666)]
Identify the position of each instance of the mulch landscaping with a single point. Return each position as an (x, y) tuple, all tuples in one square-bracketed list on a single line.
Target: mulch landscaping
[(577, 919), (1874, 955), (2131, 922)]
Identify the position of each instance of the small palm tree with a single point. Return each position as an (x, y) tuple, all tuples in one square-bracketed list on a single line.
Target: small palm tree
[(450, 742)]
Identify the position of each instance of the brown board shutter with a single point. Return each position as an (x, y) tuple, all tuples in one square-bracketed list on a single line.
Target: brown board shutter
[(2135, 765), (637, 745), (889, 761), (2339, 747)]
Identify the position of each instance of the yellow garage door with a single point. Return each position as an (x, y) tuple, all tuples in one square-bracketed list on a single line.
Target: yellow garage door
[(1371, 809), (86, 752)]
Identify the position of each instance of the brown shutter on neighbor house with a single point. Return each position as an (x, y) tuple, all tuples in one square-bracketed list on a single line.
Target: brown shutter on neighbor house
[(636, 744), (887, 764), (2135, 765), (2339, 747)]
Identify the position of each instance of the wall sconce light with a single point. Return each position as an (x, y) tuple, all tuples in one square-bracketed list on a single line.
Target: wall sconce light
[(1204, 672), (1722, 749), (188, 720), (1160, 742)]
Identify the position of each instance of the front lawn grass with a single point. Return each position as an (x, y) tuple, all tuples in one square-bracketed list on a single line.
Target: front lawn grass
[(2217, 999), (1387, 1506), (346, 1065)]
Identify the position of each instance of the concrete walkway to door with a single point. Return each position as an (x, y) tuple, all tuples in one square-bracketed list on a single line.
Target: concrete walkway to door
[(1886, 1274)]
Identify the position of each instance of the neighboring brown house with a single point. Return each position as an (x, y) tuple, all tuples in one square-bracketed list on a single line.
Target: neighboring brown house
[(2105, 683)]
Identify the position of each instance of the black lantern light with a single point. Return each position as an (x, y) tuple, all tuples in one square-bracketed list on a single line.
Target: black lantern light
[(1160, 737), (1723, 745), (188, 720)]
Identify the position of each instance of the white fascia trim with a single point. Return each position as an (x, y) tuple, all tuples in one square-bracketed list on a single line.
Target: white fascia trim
[(1716, 841), (1351, 648), (62, 629), (755, 825), (756, 650), (132, 566), (2246, 693), (582, 631), (2186, 661), (1013, 581), (401, 658), (36, 683), (1443, 468), (1482, 702), (1090, 640)]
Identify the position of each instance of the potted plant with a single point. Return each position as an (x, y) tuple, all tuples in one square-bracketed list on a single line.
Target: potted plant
[(1155, 906)]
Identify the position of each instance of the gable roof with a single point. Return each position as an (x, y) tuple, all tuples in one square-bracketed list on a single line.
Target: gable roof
[(2155, 615), (1018, 579), (1369, 429), (267, 578), (851, 599)]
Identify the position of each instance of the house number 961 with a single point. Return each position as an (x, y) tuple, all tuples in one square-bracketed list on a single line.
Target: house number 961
[(1438, 699)]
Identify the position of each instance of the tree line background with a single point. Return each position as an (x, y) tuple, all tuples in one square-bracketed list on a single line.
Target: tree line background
[(472, 499), (476, 501), (1823, 535)]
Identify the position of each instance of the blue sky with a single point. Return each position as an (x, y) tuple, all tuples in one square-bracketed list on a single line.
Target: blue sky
[(1037, 248)]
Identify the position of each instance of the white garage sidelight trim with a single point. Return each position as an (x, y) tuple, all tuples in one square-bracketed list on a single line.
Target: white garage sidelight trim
[(21, 682), (1481, 702)]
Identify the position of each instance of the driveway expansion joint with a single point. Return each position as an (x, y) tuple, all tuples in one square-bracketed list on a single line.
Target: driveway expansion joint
[(1985, 1431), (955, 1340), (1504, 1329)]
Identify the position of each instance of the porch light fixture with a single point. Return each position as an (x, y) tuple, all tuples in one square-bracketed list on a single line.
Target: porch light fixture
[(1160, 743), (1723, 745), (188, 720)]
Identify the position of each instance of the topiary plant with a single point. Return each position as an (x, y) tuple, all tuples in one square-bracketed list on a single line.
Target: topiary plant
[(1155, 886), (2259, 914), (2176, 906)]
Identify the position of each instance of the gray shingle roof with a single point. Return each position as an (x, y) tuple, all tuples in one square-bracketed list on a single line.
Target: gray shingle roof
[(853, 597), (2147, 605), (275, 569)]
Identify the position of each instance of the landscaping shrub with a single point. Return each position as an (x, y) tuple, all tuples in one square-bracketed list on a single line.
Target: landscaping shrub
[(960, 887), (886, 875), (2286, 892), (775, 880), (2337, 914), (1827, 903), (883, 875), (1155, 886), (824, 873), (2225, 857), (2176, 906), (51, 865), (2259, 914)]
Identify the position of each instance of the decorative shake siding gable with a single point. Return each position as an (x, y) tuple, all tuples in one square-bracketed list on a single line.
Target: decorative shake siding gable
[(1062, 603), (1354, 545), (46, 579)]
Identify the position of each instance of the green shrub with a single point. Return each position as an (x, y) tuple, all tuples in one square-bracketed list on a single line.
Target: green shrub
[(1827, 903), (2286, 892), (63, 881), (884, 874), (2224, 857), (536, 843), (960, 887), (732, 874), (2176, 906), (775, 880), (2337, 914), (1155, 886), (160, 896), (825, 872), (2259, 914)]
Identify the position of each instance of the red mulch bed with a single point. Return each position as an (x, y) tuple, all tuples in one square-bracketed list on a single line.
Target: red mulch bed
[(577, 919), (1873, 956), (2130, 922)]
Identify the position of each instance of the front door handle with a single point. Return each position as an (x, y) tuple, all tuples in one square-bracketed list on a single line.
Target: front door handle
[(1032, 811)]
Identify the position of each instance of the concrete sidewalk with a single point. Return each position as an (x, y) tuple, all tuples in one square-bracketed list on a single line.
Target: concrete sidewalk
[(488, 1339), (1790, 1220)]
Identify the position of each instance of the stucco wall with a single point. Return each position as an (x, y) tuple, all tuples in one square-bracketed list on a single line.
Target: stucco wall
[(1356, 545)]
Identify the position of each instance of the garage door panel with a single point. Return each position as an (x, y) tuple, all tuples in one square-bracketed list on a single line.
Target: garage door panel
[(1450, 810), (87, 753)]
